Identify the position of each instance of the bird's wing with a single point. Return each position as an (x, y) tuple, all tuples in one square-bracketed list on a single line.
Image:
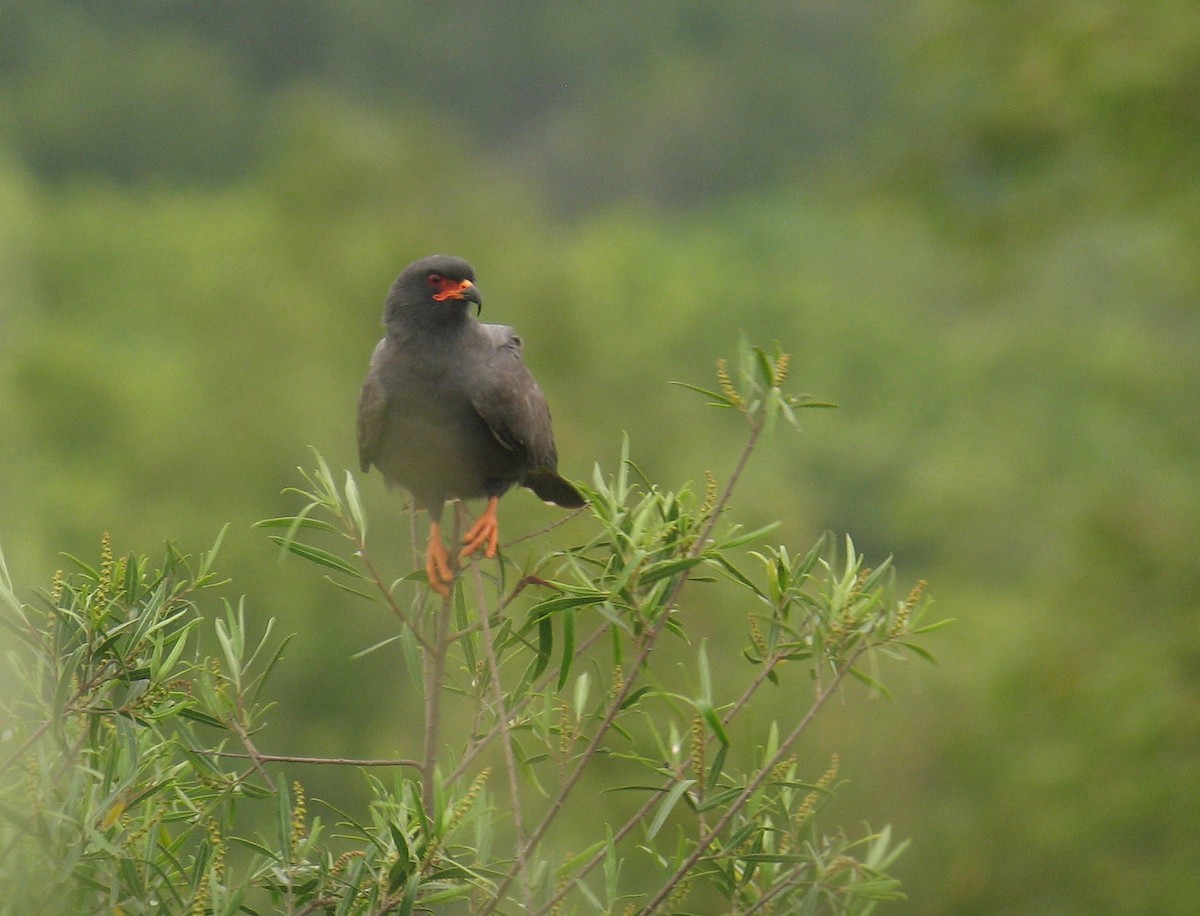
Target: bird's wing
[(511, 404), (372, 406)]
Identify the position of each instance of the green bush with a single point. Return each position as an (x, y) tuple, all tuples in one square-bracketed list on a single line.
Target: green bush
[(131, 780)]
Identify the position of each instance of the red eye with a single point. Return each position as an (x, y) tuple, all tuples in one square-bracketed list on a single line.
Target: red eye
[(435, 280)]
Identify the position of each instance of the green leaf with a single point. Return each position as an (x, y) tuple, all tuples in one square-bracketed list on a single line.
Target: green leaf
[(715, 768), (714, 723), (289, 521), (196, 715), (545, 647), (362, 653), (719, 799), (633, 698), (718, 399), (579, 697), (766, 370), (666, 568), (568, 650), (930, 627), (283, 817), (410, 894), (705, 675), (318, 556), (667, 805), (562, 603), (871, 682), (918, 650), (354, 503), (749, 536), (575, 861)]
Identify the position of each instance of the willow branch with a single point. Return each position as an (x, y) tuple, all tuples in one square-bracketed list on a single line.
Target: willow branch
[(753, 786), (627, 688), (506, 741), (315, 761)]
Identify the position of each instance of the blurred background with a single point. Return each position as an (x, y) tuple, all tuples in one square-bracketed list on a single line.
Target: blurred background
[(976, 227)]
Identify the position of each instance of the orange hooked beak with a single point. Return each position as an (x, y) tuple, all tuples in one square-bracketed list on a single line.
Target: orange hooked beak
[(463, 289)]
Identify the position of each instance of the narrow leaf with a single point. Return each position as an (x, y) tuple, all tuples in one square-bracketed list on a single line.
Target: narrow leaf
[(318, 556), (667, 805)]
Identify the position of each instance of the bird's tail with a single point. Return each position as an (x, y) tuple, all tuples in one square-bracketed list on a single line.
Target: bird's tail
[(554, 489)]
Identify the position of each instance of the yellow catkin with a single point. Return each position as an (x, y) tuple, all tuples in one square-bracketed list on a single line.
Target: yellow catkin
[(756, 637), (805, 811), (218, 845), (566, 731), (781, 368), (710, 493), (104, 586), (56, 588), (340, 863), (904, 613), (677, 895), (468, 801), (216, 869), (698, 750), (727, 388), (299, 814), (783, 770), (560, 886)]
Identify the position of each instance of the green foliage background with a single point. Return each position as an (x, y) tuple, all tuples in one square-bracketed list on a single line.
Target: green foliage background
[(974, 226)]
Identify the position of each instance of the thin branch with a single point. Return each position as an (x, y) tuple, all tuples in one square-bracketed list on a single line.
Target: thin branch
[(435, 668), (753, 786), (25, 745), (388, 597), (316, 761), (478, 746), (531, 535), (506, 740), (627, 688), (769, 897), (638, 816)]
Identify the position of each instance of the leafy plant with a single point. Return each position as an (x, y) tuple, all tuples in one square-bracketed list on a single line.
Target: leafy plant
[(131, 780)]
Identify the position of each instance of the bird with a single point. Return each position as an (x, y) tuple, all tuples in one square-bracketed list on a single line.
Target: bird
[(449, 411)]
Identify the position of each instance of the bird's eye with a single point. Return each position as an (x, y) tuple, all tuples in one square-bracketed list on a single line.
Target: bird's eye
[(435, 280)]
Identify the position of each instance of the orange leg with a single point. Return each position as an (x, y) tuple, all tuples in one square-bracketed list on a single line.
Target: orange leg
[(484, 533), (438, 562)]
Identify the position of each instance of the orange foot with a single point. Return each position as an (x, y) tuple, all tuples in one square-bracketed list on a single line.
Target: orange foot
[(438, 562), (484, 533)]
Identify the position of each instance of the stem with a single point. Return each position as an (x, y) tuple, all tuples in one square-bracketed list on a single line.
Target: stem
[(626, 690), (434, 665), (389, 598), (316, 761), (737, 804), (474, 749), (502, 717), (434, 669), (637, 817)]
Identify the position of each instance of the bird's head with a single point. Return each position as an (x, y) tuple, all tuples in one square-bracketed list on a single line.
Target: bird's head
[(434, 288)]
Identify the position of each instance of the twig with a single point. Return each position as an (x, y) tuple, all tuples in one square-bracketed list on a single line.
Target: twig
[(531, 535), (434, 670), (753, 786), (627, 688), (316, 761), (388, 597), (502, 717), (476, 747), (637, 817)]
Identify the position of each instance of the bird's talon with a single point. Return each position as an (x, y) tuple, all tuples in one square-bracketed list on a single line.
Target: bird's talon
[(484, 533), (438, 565)]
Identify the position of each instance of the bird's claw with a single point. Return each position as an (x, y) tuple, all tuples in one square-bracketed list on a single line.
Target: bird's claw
[(484, 533), (439, 566)]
